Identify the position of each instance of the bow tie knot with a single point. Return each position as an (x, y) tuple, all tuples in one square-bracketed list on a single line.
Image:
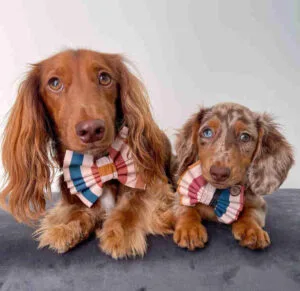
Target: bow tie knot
[(85, 177), (107, 169)]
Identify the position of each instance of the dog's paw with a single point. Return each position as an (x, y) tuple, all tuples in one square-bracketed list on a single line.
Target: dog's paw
[(119, 242), (191, 236), (60, 238), (250, 235)]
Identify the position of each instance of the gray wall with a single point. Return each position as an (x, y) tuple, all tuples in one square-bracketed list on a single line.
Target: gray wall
[(189, 53)]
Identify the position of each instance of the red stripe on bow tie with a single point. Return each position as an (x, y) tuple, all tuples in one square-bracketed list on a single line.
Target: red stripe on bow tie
[(96, 175), (118, 160), (196, 184)]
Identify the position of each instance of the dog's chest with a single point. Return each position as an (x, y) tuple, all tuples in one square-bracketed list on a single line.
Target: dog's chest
[(108, 198)]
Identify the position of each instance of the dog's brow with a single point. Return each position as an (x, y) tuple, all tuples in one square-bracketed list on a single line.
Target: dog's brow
[(221, 116), (206, 118), (55, 72), (244, 120), (100, 66)]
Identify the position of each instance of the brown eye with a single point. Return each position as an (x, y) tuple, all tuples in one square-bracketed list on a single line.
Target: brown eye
[(104, 78), (55, 84), (245, 137)]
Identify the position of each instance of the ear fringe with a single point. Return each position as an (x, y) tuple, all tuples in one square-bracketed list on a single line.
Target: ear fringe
[(28, 167), (145, 138), (186, 142), (272, 160)]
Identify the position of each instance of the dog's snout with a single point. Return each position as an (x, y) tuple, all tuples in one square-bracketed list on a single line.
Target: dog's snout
[(219, 174), (90, 130)]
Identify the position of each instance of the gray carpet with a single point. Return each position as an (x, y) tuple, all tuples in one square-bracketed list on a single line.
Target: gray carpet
[(222, 265)]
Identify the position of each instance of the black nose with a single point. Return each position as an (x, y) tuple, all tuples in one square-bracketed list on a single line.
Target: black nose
[(90, 130), (219, 174)]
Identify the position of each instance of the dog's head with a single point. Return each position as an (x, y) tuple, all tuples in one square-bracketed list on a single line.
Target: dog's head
[(80, 90), (235, 146), (76, 100)]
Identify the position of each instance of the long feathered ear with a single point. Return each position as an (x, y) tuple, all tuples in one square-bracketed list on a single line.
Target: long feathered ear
[(272, 160), (25, 153), (186, 142), (145, 138)]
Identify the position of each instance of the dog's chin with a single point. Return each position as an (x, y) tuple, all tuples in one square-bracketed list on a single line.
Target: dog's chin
[(218, 185), (96, 150), (223, 185), (97, 153)]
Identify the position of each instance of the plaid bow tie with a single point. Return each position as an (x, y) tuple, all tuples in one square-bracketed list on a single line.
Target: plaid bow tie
[(85, 177), (193, 189)]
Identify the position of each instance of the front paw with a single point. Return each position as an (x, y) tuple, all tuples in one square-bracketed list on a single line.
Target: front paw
[(191, 236), (250, 235), (119, 242), (59, 238)]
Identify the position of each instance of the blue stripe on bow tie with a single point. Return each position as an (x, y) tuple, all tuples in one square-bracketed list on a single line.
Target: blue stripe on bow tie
[(77, 178), (223, 202)]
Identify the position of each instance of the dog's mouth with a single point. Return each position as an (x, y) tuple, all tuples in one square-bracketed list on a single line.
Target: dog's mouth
[(96, 150), (231, 181), (219, 185), (223, 185)]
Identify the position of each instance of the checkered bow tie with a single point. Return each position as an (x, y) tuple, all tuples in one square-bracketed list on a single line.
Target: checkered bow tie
[(193, 189), (85, 177)]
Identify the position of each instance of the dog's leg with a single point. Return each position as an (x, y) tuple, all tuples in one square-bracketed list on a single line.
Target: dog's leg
[(137, 214), (189, 231), (123, 234), (64, 226), (248, 229)]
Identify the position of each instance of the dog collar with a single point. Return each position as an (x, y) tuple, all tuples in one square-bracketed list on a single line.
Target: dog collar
[(194, 189)]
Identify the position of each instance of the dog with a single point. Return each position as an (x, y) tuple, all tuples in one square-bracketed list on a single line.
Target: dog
[(234, 146), (79, 100)]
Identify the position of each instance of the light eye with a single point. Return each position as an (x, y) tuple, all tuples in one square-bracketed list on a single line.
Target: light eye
[(245, 137), (55, 84), (207, 133), (104, 79)]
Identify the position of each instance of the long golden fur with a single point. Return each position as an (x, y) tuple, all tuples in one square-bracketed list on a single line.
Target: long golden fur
[(41, 127), (260, 160)]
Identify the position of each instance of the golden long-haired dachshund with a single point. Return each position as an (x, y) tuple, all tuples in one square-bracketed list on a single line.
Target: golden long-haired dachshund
[(79, 101)]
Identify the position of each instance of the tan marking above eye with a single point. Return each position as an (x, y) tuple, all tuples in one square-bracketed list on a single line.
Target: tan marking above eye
[(240, 127), (214, 124)]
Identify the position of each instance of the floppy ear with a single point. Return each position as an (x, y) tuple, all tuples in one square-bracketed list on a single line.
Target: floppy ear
[(272, 159), (186, 142), (145, 138), (25, 153)]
